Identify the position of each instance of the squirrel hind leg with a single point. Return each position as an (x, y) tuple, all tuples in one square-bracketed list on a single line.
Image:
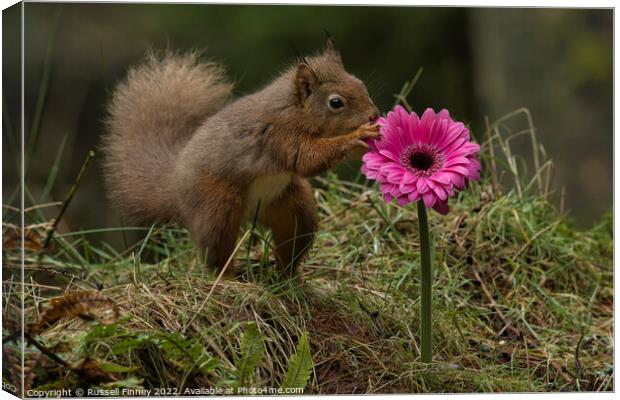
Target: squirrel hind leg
[(215, 240), (214, 218), (293, 222)]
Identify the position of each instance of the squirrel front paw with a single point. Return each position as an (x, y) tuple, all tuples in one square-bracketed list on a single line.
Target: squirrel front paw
[(365, 132)]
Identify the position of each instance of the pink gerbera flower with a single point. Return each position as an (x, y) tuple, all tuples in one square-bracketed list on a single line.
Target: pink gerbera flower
[(428, 158)]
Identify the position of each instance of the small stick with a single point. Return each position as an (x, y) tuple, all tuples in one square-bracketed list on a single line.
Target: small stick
[(44, 350), (406, 91), (491, 300), (577, 362), (254, 223), (48, 352), (383, 217), (492, 154), (67, 201), (217, 280)]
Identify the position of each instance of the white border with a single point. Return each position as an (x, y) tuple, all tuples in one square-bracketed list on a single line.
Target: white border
[(480, 3)]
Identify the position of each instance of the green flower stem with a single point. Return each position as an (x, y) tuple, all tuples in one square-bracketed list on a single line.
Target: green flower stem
[(426, 277)]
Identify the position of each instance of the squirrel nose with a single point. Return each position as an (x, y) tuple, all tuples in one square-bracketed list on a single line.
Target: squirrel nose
[(374, 117)]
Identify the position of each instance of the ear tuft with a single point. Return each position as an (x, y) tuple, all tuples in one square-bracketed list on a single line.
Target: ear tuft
[(301, 59), (305, 79), (330, 47)]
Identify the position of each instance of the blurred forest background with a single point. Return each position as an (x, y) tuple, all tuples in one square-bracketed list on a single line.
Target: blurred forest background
[(476, 62)]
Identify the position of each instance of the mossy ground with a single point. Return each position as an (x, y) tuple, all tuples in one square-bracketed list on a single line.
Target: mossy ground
[(522, 302)]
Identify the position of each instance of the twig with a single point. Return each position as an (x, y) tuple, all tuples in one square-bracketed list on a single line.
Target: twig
[(577, 363), (217, 280), (44, 350), (67, 200), (49, 353), (351, 205), (383, 217), (511, 160), (38, 206), (536, 236), (253, 229), (560, 370), (533, 139), (491, 300), (406, 91), (491, 144), (43, 90)]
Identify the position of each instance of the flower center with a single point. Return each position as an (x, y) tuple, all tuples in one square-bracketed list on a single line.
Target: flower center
[(421, 160)]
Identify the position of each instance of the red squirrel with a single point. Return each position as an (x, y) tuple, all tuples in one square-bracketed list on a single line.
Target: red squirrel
[(177, 149)]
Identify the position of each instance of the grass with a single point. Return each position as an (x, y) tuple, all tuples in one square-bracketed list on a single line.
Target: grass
[(522, 300)]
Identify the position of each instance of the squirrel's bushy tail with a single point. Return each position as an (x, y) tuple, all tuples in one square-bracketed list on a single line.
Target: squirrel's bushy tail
[(152, 114)]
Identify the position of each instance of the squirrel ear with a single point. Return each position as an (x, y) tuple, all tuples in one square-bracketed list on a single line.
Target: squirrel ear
[(305, 79), (330, 47)]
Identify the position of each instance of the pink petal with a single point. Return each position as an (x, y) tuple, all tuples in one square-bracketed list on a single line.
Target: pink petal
[(408, 182), (403, 138), (441, 207), (375, 162), (414, 196), (475, 164), (430, 183), (453, 133), (444, 114), (429, 199), (403, 201), (462, 152), (395, 177), (421, 185), (364, 169), (392, 168), (458, 169), (371, 156), (441, 178), (457, 161), (390, 188), (408, 177), (404, 118), (452, 147), (457, 179), (400, 141), (426, 125), (389, 154), (425, 134), (406, 187), (474, 176), (400, 110), (427, 117), (392, 144), (465, 133), (471, 148), (393, 118), (370, 174), (414, 126), (440, 192)]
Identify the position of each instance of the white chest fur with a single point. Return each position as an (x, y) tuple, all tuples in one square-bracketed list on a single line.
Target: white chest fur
[(265, 189)]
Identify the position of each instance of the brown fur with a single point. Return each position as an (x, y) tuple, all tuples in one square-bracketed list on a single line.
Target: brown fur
[(176, 151), (153, 113), (293, 222)]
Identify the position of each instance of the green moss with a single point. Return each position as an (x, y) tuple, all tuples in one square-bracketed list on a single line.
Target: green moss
[(516, 289)]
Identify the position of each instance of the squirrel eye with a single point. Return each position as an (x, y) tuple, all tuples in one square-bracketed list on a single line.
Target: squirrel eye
[(336, 102)]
